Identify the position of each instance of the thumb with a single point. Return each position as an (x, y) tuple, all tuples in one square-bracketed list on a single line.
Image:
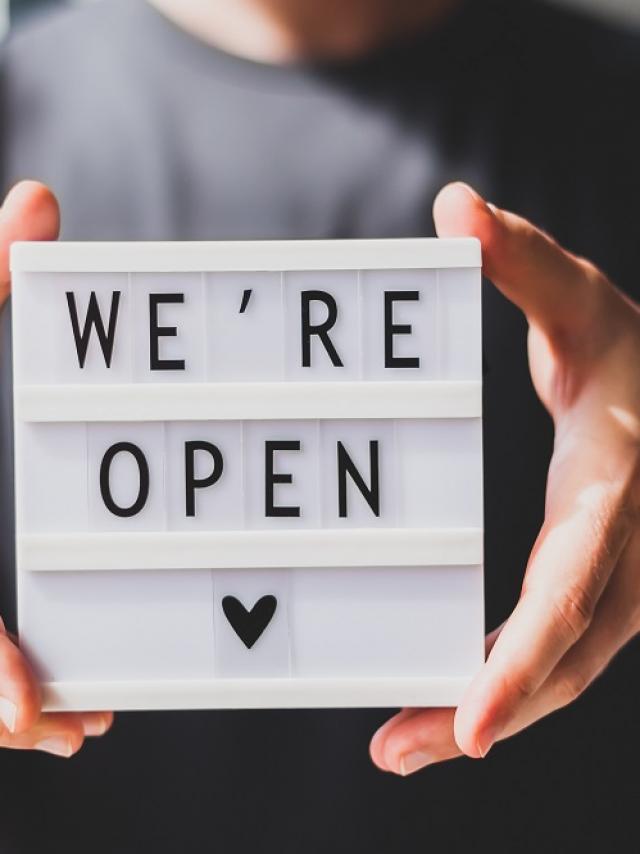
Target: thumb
[(556, 290), (29, 212)]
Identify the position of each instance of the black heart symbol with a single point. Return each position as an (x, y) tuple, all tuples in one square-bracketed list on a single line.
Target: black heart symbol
[(249, 625)]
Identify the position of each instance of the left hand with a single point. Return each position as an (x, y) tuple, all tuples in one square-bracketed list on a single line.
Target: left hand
[(580, 600), (30, 212)]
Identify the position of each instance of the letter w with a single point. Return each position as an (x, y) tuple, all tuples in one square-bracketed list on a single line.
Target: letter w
[(94, 318)]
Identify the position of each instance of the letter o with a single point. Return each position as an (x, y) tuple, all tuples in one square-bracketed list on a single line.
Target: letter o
[(105, 485)]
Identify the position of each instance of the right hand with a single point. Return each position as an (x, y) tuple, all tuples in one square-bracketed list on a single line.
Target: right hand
[(30, 212)]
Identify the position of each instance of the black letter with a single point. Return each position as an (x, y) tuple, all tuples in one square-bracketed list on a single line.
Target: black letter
[(320, 329), (105, 486), (345, 464), (93, 318), (270, 479), (191, 481), (155, 331), (391, 329)]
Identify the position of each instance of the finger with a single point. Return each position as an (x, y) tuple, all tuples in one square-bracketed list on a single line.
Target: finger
[(96, 723), (379, 740), (417, 737), (415, 741), (19, 691), (579, 545), (616, 621), (29, 212), (555, 289), (61, 734), (410, 743)]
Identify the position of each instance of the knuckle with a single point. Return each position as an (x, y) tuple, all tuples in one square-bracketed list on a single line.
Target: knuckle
[(517, 686), (593, 274), (70, 723), (73, 735), (570, 685), (612, 521), (524, 685), (572, 611), (583, 334)]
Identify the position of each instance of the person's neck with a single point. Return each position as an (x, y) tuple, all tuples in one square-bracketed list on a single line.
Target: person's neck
[(280, 31)]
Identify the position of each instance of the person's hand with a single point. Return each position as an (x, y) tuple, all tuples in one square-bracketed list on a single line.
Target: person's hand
[(580, 600), (30, 212)]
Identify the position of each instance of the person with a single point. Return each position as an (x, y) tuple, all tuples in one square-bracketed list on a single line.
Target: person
[(293, 118)]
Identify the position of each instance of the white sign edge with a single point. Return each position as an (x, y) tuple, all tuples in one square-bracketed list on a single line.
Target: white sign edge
[(243, 549), (249, 401), (274, 693), (243, 255)]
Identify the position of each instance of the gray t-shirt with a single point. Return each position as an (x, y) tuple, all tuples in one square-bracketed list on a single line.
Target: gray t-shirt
[(145, 133)]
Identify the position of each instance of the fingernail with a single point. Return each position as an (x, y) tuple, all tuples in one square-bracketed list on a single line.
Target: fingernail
[(487, 739), (57, 745), (8, 714), (411, 762), (94, 726)]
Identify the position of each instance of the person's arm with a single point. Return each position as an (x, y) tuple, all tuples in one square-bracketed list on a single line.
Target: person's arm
[(30, 212), (580, 600)]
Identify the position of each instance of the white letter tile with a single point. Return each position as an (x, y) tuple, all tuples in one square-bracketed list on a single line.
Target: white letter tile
[(248, 344), (187, 318), (258, 645), (125, 476)]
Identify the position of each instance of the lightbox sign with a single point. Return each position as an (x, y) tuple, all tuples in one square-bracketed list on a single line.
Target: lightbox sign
[(249, 474)]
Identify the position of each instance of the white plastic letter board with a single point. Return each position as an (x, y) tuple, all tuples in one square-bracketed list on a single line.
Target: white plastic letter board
[(249, 474)]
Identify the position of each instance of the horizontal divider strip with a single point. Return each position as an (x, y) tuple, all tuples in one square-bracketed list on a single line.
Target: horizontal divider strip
[(253, 693), (249, 401), (245, 549), (245, 255)]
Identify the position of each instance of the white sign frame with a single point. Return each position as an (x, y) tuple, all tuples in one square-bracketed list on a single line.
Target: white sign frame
[(358, 399)]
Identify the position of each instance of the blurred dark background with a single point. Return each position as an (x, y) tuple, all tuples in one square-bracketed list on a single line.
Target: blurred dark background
[(566, 785)]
